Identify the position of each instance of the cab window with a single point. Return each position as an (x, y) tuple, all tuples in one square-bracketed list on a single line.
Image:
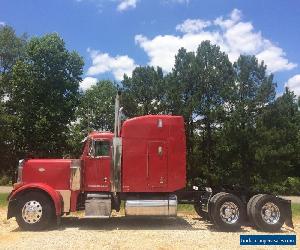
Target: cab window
[(101, 148)]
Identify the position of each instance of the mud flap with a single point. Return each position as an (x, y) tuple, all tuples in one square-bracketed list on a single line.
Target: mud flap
[(12, 206), (288, 212)]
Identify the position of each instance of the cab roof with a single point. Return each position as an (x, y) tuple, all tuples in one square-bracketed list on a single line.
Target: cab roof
[(101, 135)]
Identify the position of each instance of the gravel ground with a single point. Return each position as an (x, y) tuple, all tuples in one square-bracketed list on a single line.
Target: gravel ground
[(184, 232), (5, 189)]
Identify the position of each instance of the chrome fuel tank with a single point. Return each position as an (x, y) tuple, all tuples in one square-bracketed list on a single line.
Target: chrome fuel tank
[(152, 207)]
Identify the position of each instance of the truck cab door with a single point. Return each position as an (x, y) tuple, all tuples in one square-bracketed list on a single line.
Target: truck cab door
[(97, 166), (157, 165)]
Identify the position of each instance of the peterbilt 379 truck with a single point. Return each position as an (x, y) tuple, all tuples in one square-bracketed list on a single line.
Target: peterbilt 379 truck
[(142, 163)]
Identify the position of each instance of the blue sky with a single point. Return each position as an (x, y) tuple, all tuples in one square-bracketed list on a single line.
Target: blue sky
[(114, 36)]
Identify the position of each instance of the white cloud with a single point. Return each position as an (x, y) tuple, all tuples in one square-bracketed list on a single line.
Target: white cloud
[(234, 37), (294, 84), (241, 39), (275, 58), (162, 49), (103, 63), (126, 4), (192, 25), (2, 23), (235, 16), (88, 82)]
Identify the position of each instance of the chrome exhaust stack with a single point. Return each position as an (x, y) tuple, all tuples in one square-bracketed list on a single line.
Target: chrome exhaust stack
[(116, 149)]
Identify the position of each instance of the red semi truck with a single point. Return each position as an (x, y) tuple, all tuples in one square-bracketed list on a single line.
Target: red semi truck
[(142, 163)]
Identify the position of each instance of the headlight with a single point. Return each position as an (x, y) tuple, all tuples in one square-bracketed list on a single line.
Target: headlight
[(20, 170)]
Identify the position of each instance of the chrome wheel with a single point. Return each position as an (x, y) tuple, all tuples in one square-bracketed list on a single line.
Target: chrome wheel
[(229, 212), (270, 213), (32, 212)]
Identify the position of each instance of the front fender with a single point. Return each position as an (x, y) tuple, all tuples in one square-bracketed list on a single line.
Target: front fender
[(53, 194)]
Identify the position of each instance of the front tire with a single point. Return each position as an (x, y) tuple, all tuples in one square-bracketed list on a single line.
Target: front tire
[(35, 211)]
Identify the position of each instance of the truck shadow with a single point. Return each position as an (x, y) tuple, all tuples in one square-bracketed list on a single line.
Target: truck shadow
[(138, 223)]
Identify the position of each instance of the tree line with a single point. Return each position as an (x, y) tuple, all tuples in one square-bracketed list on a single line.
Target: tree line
[(238, 132)]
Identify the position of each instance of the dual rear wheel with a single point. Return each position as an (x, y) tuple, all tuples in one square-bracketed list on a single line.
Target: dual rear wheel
[(227, 212), (266, 212)]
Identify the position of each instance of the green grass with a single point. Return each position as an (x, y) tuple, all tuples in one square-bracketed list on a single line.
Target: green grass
[(3, 201), (296, 211), (186, 208)]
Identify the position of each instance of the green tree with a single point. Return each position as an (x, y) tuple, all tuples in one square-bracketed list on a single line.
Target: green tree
[(276, 149), (254, 91), (95, 112), (44, 95), (182, 91), (143, 92), (199, 88), (12, 49), (216, 87)]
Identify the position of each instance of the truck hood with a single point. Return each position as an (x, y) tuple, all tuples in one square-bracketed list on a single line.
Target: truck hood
[(54, 172)]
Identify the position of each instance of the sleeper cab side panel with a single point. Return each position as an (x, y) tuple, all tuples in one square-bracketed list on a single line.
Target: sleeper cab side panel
[(134, 165), (137, 133), (177, 156)]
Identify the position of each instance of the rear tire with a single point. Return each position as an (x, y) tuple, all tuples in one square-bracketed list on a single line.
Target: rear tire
[(212, 203), (228, 212), (200, 212), (249, 205), (35, 211), (267, 213)]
